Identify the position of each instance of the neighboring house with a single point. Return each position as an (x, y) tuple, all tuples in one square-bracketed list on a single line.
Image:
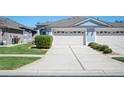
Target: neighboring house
[(12, 32), (79, 26)]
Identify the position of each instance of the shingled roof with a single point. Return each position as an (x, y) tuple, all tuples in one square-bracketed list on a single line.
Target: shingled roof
[(116, 24), (69, 22), (8, 23)]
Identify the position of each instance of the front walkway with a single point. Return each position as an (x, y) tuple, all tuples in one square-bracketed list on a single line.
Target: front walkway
[(70, 60)]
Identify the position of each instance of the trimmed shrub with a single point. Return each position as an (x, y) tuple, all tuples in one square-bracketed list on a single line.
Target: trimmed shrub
[(98, 46), (107, 51), (103, 47), (92, 43), (43, 41), (95, 46)]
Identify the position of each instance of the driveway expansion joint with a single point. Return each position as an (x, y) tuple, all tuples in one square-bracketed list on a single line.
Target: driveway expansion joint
[(76, 57)]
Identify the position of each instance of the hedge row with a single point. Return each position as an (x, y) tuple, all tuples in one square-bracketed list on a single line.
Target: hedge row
[(43, 41), (100, 47)]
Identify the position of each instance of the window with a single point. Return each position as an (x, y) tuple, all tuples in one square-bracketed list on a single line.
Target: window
[(105, 31), (74, 32), (117, 32), (78, 31)]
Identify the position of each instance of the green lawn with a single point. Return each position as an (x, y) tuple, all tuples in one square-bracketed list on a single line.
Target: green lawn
[(21, 49), (119, 58), (11, 63)]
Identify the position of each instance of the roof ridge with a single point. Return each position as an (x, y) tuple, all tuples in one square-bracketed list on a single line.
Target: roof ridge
[(8, 19)]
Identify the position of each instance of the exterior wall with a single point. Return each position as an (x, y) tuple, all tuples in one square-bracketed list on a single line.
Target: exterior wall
[(10, 34), (27, 36)]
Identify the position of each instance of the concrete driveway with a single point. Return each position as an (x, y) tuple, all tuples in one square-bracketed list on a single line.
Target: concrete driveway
[(68, 57)]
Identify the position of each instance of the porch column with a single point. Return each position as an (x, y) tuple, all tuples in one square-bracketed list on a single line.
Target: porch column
[(51, 31), (85, 38), (89, 35)]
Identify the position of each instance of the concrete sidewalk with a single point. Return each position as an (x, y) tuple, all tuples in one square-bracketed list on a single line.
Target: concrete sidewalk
[(20, 55)]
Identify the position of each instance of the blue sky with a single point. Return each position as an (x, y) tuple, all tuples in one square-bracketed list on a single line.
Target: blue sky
[(32, 20)]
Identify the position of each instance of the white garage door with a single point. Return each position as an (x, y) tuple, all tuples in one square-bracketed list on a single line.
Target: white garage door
[(68, 40)]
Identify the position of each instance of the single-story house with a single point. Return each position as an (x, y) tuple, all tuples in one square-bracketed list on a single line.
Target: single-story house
[(12, 32), (89, 28)]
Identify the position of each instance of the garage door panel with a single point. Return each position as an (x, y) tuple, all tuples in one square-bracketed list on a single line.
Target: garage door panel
[(68, 40)]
